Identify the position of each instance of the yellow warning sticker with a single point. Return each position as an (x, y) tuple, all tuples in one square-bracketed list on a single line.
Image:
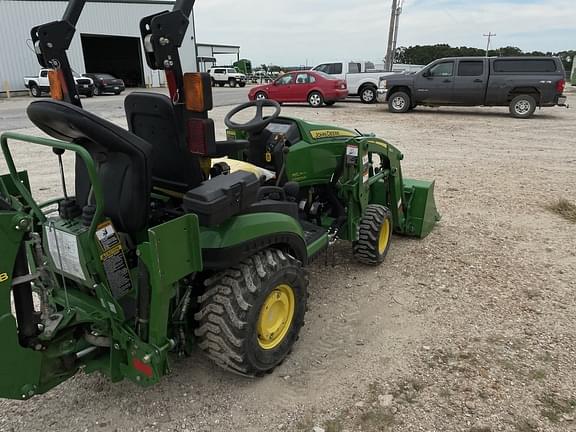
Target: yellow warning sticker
[(331, 133), (3, 277)]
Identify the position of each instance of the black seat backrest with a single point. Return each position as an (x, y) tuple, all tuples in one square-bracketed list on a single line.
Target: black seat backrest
[(122, 160), (154, 118)]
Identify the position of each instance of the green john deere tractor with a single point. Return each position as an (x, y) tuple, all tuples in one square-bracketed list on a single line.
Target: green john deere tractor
[(159, 249)]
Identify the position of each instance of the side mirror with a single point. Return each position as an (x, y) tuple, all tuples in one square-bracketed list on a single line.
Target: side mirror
[(426, 74)]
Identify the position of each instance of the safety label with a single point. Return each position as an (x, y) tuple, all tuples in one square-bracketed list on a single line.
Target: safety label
[(113, 260), (63, 249)]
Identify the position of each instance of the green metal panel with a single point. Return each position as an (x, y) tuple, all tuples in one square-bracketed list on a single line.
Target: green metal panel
[(20, 367), (422, 214), (244, 228), (172, 253), (176, 246)]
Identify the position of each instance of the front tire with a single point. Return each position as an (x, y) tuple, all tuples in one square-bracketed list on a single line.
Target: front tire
[(523, 106), (35, 91), (374, 235), (368, 95), (232, 83), (260, 96), (315, 99), (399, 102), (250, 315), (242, 85), (97, 91)]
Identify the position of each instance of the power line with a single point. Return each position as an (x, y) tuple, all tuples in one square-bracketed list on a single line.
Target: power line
[(490, 35)]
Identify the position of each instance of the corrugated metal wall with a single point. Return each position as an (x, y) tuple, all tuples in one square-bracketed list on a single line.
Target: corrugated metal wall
[(17, 58)]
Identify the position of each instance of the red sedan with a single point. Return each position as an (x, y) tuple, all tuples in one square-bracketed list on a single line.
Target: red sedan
[(316, 88)]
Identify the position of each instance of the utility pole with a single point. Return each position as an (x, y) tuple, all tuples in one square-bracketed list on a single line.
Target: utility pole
[(490, 35), (393, 33)]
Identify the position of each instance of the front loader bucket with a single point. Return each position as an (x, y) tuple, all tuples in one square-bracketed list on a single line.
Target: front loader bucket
[(19, 367), (421, 212)]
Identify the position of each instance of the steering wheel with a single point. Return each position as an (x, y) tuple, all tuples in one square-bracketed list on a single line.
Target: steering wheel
[(259, 122)]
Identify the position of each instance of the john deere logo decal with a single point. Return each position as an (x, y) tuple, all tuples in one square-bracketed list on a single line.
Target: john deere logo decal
[(3, 277), (331, 133)]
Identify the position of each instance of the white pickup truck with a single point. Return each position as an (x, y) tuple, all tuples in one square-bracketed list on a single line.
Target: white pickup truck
[(362, 78), (39, 84)]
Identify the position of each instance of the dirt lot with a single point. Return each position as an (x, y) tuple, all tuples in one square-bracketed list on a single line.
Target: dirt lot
[(471, 329)]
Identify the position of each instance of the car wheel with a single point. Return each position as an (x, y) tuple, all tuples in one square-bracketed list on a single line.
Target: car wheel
[(97, 91), (260, 96), (213, 82), (399, 102), (35, 90), (368, 95), (90, 94), (523, 106), (315, 99), (232, 83), (242, 84), (221, 84)]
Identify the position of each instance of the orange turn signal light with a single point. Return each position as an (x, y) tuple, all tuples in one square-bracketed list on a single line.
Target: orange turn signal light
[(198, 91), (56, 90)]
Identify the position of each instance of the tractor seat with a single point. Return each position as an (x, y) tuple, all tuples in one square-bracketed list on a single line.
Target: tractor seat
[(122, 160), (154, 118)]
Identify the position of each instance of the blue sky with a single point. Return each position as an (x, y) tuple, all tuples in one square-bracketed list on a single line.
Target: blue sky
[(293, 32)]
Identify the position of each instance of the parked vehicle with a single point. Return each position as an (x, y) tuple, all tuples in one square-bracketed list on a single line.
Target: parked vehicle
[(522, 83), (106, 83), (227, 75), (313, 87), (39, 84), (362, 78)]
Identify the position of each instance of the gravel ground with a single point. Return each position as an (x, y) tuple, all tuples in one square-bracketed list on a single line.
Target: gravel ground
[(470, 329)]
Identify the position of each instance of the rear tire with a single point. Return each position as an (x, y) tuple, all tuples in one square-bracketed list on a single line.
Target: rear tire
[(315, 99), (374, 235), (35, 90), (250, 315), (523, 106), (399, 102), (368, 94)]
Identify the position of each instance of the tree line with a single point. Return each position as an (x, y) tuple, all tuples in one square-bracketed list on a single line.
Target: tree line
[(424, 54)]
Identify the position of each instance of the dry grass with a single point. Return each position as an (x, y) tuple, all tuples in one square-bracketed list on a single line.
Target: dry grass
[(565, 209)]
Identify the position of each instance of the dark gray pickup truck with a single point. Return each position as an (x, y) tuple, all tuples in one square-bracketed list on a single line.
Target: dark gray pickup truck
[(521, 83)]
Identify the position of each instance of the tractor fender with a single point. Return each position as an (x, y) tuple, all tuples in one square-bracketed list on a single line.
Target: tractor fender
[(228, 244)]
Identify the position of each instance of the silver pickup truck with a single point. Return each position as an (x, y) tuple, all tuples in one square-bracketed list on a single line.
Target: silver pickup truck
[(521, 83)]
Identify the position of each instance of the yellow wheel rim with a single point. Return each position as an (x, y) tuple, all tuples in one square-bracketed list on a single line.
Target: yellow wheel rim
[(384, 237), (276, 317)]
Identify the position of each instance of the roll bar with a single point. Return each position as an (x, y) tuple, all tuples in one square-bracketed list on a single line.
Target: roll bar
[(51, 41)]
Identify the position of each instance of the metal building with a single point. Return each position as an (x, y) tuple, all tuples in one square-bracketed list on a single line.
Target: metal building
[(107, 40), (207, 54)]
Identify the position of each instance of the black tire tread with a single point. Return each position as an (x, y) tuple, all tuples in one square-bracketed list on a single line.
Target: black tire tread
[(365, 249), (229, 295)]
